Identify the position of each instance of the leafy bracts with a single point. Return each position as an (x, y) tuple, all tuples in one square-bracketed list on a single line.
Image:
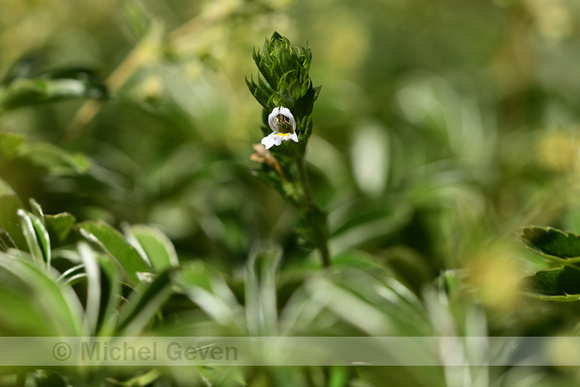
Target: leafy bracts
[(285, 91)]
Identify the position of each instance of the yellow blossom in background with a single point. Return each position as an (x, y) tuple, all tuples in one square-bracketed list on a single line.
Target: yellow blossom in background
[(559, 151)]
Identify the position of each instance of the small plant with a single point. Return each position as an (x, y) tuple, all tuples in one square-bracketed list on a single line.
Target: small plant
[(287, 96)]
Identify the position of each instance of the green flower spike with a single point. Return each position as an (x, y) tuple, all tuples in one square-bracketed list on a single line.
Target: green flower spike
[(285, 91)]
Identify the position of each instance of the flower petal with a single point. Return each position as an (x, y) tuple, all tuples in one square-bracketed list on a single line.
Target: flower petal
[(272, 119), (286, 112), (278, 139), (270, 141), (294, 137)]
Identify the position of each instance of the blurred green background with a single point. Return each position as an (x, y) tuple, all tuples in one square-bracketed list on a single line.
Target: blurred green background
[(442, 128)]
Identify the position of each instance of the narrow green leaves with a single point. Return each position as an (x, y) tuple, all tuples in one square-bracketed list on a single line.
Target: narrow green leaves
[(286, 81), (36, 236), (287, 85), (144, 304)]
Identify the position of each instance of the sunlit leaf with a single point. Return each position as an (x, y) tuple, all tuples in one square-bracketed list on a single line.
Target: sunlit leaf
[(115, 244), (30, 235), (42, 237), (157, 247)]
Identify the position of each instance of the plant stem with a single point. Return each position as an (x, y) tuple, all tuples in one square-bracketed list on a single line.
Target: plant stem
[(313, 214), (305, 181)]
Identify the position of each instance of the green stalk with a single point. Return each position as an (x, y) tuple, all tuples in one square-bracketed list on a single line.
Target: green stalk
[(316, 218)]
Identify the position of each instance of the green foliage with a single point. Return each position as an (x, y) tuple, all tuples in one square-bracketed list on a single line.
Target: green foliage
[(552, 243), (285, 68), (114, 244), (563, 249), (21, 87), (435, 139)]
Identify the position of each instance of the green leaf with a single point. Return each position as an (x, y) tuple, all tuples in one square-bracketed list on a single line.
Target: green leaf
[(338, 376), (222, 376), (210, 292), (93, 276), (146, 379), (57, 161), (53, 86), (42, 238), (45, 378), (36, 209), (103, 291), (9, 219), (30, 235), (10, 144), (551, 242), (144, 304), (24, 67), (110, 296), (157, 247), (555, 285), (35, 303), (59, 226), (260, 292), (113, 242)]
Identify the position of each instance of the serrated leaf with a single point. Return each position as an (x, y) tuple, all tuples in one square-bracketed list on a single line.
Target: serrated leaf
[(561, 284), (113, 242), (552, 242)]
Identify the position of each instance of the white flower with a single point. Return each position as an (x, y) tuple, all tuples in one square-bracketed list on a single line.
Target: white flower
[(283, 127)]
